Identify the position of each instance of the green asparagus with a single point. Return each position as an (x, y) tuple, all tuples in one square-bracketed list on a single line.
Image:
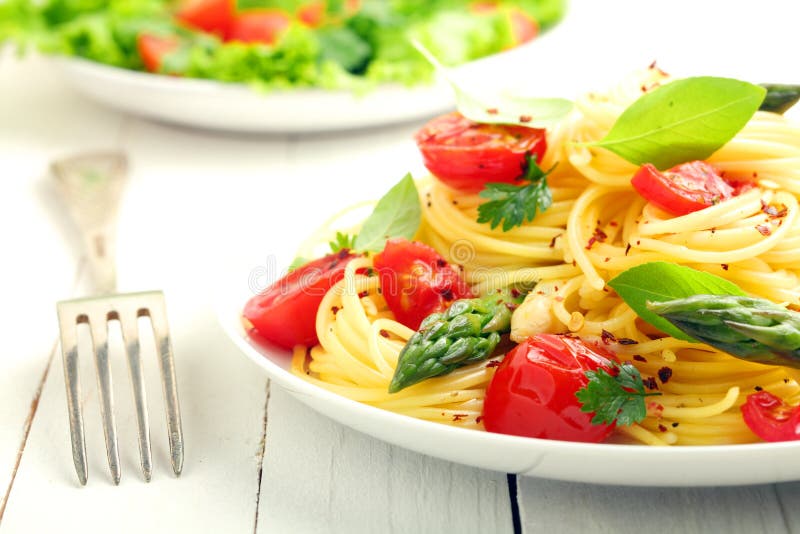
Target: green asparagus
[(752, 329), (780, 97), (467, 332)]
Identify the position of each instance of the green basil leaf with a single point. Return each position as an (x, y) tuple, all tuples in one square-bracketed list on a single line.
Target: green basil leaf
[(660, 281), (682, 121), (397, 214), (500, 107)]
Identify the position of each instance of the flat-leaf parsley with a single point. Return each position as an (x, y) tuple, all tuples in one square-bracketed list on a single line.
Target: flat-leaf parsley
[(511, 204)]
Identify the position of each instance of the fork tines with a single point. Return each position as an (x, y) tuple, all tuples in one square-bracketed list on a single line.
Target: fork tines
[(127, 309)]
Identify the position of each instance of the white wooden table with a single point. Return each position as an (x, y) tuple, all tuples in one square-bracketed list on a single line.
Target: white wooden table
[(256, 459)]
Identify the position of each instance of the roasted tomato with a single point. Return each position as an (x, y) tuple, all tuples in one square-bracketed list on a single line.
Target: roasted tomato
[(533, 391), (770, 418), (153, 48), (259, 26), (416, 281), (286, 312), (682, 189), (213, 16), (465, 155)]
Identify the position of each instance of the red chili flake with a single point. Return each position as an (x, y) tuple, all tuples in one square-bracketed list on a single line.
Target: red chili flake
[(590, 243), (638, 242), (553, 241), (380, 291), (606, 259), (363, 294), (613, 224), (458, 417), (515, 292), (383, 333), (512, 306), (455, 203), (626, 341), (428, 204), (492, 111), (607, 337), (627, 249), (574, 263), (650, 382), (525, 118), (758, 388), (643, 88), (655, 408), (639, 358), (447, 293), (662, 428), (441, 263), (664, 374), (492, 363), (335, 309), (713, 230), (764, 230), (785, 380), (774, 211), (675, 424), (724, 266), (558, 299), (652, 65), (598, 236), (755, 174), (479, 419)]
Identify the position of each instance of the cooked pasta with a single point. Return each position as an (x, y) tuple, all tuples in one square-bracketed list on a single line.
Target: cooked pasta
[(597, 227)]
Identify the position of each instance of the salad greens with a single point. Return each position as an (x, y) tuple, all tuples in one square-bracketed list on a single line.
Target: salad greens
[(356, 51)]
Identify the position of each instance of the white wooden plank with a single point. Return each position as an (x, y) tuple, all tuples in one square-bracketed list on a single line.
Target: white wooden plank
[(39, 265), (319, 476), (547, 505), (789, 499)]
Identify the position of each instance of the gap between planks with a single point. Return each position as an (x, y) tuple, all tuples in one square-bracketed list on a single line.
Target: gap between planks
[(260, 455), (26, 427)]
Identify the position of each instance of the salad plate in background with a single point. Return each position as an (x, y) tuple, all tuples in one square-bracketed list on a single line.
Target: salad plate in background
[(272, 65)]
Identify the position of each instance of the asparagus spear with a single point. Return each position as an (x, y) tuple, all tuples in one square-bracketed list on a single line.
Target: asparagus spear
[(467, 332), (752, 329), (779, 97)]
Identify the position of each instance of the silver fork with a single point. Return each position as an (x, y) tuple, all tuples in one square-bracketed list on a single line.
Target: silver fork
[(91, 186)]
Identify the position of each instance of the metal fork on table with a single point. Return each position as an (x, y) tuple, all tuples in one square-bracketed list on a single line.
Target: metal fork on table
[(91, 186)]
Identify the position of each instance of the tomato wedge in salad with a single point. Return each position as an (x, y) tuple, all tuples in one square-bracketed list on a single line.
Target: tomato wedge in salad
[(465, 155), (153, 48), (533, 390), (683, 189), (259, 26), (286, 312), (523, 26), (770, 418), (416, 281), (213, 16)]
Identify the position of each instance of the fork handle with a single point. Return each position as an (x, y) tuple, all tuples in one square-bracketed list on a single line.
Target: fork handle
[(91, 187)]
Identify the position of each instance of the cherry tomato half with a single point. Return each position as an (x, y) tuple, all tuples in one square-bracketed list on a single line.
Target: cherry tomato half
[(465, 155), (213, 16), (286, 312), (533, 391), (153, 48), (682, 189), (416, 281), (770, 418), (259, 26)]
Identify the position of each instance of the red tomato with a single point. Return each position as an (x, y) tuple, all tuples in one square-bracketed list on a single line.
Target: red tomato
[(213, 16), (286, 312), (416, 281), (682, 189), (533, 391), (770, 418), (523, 26), (465, 155), (259, 26), (153, 48)]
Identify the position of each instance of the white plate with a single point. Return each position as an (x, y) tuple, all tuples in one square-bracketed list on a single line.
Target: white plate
[(596, 463), (235, 107)]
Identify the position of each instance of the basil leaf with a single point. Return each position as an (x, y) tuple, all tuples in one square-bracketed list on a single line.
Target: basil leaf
[(500, 107), (397, 214), (660, 281), (682, 121)]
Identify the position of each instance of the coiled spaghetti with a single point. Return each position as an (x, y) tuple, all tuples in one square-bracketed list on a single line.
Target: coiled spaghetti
[(597, 227)]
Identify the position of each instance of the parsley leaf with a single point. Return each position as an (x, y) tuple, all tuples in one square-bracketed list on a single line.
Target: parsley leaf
[(511, 204), (615, 397), (342, 241)]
